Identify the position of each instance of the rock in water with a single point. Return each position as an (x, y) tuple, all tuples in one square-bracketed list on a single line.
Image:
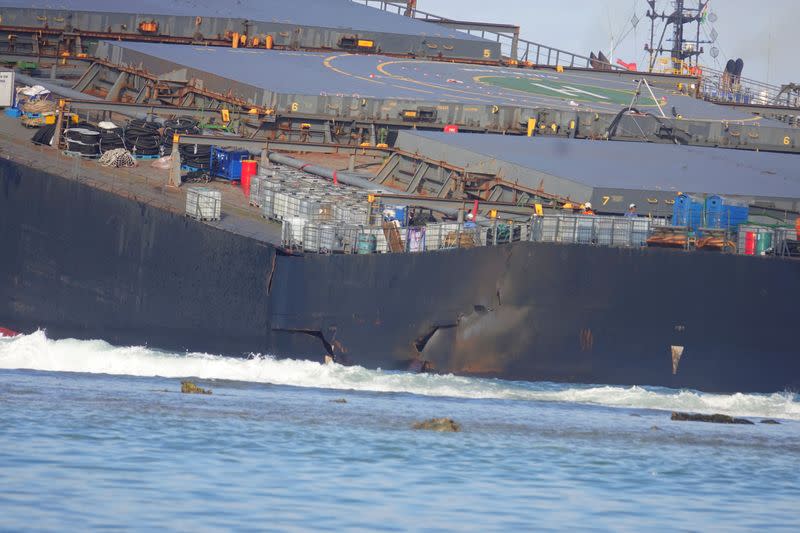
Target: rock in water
[(715, 419), (188, 387), (339, 400), (438, 424), (770, 421)]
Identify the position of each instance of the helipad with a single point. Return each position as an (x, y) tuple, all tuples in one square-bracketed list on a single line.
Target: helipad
[(263, 76), (552, 86)]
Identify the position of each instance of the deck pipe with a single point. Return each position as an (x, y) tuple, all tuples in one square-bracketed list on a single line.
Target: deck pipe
[(54, 88), (347, 178), (66, 92)]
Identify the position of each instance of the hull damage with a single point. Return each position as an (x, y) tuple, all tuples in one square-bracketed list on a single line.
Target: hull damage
[(540, 311), (86, 263)]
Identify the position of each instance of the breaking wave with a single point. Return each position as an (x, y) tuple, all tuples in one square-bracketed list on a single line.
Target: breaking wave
[(37, 352)]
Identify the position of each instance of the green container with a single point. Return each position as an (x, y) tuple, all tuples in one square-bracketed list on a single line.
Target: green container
[(366, 244), (27, 65), (764, 242)]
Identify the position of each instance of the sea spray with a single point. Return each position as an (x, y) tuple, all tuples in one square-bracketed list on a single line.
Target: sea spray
[(37, 352)]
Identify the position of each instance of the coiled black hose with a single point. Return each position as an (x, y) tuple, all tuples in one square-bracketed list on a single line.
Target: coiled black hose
[(111, 139), (142, 138), (197, 156), (179, 125), (83, 141), (44, 135)]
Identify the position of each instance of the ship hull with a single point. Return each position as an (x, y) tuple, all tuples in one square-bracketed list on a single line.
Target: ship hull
[(85, 263)]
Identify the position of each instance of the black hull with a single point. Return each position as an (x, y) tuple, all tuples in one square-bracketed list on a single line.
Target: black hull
[(85, 263)]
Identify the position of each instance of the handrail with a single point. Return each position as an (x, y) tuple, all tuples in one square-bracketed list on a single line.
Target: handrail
[(317, 236), (512, 46), (716, 86), (713, 85)]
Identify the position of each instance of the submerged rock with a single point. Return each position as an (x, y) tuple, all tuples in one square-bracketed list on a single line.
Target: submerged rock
[(339, 400), (715, 418), (187, 387), (770, 421), (438, 424)]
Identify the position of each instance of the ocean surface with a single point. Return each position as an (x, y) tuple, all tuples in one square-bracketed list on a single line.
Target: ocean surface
[(94, 436)]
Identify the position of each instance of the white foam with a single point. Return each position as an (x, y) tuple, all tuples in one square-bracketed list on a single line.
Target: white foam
[(37, 352)]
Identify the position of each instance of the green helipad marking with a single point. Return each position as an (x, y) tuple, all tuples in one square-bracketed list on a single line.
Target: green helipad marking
[(565, 90)]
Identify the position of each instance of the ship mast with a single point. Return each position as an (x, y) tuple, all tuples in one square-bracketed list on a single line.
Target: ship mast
[(684, 51)]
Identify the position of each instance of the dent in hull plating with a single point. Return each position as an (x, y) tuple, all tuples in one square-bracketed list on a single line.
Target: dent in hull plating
[(538, 311), (85, 263)]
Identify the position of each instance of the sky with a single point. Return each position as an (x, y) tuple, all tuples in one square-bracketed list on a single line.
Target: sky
[(763, 33)]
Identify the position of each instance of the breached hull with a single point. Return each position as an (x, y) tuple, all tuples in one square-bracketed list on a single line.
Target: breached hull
[(85, 263), (540, 311)]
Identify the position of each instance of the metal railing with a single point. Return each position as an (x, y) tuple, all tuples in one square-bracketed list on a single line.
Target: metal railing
[(763, 240), (311, 237), (716, 86), (314, 237), (300, 235), (511, 45), (318, 217), (599, 230)]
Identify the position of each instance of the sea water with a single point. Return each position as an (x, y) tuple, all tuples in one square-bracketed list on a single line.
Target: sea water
[(94, 436)]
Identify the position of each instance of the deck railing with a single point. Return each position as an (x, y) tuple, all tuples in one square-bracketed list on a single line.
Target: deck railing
[(718, 87), (300, 235), (314, 237), (512, 46)]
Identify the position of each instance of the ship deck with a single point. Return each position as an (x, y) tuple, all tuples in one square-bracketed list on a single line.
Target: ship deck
[(614, 174), (313, 13), (144, 183), (311, 24), (252, 74)]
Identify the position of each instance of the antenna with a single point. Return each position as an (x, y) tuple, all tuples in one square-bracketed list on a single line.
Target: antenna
[(683, 50)]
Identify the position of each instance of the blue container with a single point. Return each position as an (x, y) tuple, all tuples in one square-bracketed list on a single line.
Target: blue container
[(737, 215), (723, 214), (687, 212), (680, 210), (366, 244), (400, 214), (714, 212), (396, 212), (226, 163), (13, 112)]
